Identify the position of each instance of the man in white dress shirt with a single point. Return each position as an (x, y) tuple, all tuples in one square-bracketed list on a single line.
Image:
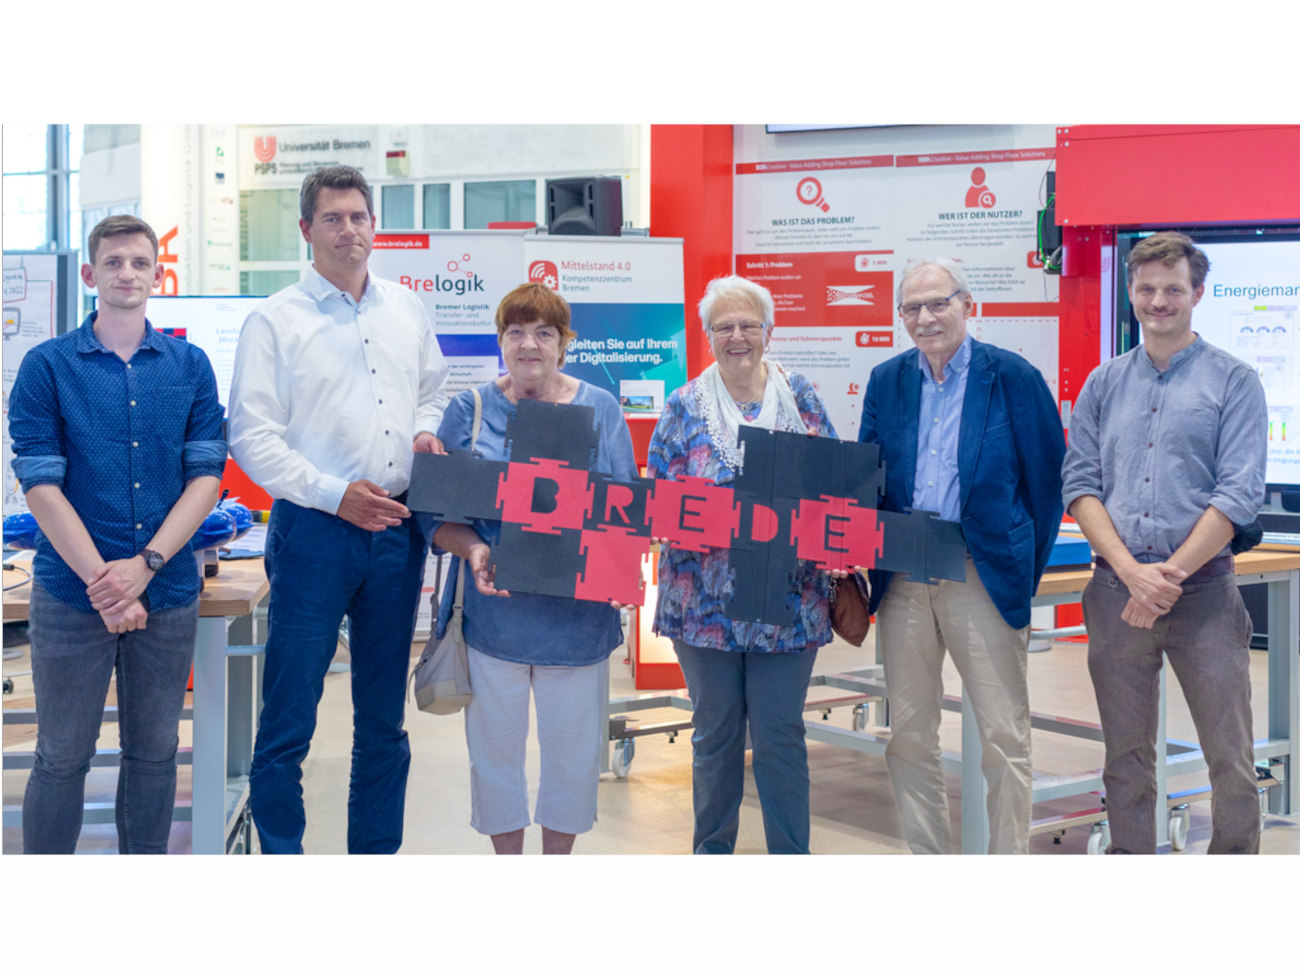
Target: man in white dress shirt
[(337, 378)]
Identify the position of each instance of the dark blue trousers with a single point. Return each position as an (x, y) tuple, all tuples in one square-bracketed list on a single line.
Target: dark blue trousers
[(763, 692), (322, 568)]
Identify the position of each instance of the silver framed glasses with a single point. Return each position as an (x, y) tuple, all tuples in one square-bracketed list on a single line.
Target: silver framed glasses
[(747, 329), (937, 306)]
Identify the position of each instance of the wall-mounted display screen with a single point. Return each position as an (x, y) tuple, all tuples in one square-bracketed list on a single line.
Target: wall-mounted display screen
[(211, 323), (1251, 308)]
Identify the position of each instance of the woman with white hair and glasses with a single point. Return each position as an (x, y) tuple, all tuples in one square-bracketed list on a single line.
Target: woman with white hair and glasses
[(739, 674)]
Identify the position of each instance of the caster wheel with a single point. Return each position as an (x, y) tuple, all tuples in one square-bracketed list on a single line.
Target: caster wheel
[(623, 753), (1098, 839), (860, 717), (1178, 831)]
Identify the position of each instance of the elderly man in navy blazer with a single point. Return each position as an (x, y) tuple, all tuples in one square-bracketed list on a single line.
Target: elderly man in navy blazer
[(968, 431)]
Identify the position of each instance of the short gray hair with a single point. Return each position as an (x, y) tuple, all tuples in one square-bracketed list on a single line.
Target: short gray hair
[(954, 272), (734, 288)]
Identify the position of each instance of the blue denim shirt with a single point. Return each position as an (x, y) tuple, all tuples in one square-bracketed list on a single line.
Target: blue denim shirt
[(528, 628), (121, 439)]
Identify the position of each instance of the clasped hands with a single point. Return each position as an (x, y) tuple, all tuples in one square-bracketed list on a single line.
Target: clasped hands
[(114, 591), (1153, 588)]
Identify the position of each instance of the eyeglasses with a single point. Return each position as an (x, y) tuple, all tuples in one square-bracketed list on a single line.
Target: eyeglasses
[(747, 329), (936, 307), (543, 334)]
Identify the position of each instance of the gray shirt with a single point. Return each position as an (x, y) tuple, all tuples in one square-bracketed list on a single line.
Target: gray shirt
[(1158, 448)]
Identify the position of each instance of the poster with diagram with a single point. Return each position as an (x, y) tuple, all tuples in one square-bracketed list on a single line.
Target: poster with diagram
[(829, 236), (819, 235), (31, 315)]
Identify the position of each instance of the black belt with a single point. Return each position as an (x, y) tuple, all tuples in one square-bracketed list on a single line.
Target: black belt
[(1219, 566)]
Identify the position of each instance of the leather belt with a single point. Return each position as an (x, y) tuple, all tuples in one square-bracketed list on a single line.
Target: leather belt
[(1219, 566)]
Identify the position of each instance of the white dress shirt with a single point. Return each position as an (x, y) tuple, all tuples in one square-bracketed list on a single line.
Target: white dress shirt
[(327, 390)]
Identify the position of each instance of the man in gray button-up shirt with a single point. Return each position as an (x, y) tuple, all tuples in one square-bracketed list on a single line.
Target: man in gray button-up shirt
[(1166, 455)]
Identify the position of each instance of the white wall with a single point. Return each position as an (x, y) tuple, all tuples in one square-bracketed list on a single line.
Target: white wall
[(754, 144), (109, 177)]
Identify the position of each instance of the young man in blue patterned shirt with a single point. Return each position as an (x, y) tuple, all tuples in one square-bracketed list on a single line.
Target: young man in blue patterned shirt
[(117, 444)]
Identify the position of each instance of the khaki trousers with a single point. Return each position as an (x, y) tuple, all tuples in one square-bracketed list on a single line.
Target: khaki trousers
[(918, 624)]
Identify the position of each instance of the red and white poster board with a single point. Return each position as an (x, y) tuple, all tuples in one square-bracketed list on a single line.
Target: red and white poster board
[(981, 209), (818, 234), (828, 236), (460, 277)]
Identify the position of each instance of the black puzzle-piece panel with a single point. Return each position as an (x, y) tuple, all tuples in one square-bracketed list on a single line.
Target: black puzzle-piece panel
[(536, 562), (922, 545), (763, 577), (945, 550), (780, 470), (555, 431), (619, 504), (456, 486), (809, 467), (762, 571)]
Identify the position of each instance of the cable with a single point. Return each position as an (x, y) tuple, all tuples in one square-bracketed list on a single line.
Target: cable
[(17, 585)]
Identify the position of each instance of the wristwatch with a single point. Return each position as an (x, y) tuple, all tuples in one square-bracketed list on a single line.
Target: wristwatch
[(152, 559)]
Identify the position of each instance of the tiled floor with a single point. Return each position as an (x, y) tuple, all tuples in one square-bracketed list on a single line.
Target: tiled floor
[(649, 811)]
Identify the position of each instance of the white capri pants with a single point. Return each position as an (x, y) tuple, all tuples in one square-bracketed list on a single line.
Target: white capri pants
[(571, 731)]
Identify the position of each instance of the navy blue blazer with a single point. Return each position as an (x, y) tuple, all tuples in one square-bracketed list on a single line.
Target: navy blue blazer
[(1008, 463)]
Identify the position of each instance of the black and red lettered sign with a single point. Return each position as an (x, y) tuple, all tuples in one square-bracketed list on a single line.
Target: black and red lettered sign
[(568, 531)]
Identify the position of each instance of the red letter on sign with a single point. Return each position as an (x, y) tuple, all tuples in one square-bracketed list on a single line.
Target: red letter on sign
[(836, 533), (764, 524), (693, 513), (171, 280), (544, 496), (617, 498)]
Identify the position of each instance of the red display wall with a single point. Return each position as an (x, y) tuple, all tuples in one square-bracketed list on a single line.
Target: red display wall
[(690, 197), (1110, 176), (1124, 175)]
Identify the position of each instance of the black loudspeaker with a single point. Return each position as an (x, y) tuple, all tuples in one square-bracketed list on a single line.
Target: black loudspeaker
[(591, 205)]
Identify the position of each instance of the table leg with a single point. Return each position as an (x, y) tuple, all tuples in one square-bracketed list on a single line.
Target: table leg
[(1283, 688), (1162, 760), (974, 790), (208, 823)]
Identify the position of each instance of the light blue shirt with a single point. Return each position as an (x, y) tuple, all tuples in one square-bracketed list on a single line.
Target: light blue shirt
[(1158, 448), (937, 487)]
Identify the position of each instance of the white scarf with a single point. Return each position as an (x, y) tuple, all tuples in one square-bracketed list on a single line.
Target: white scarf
[(723, 418)]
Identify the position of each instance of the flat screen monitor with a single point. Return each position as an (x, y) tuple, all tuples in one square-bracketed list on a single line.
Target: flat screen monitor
[(210, 322), (1251, 308)]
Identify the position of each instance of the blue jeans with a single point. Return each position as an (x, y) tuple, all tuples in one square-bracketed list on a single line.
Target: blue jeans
[(322, 567), (73, 657), (765, 691)]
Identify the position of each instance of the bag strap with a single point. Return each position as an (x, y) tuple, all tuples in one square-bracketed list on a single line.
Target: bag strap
[(478, 418), (457, 604)]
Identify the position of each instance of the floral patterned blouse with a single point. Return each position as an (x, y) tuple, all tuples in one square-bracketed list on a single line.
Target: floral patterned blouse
[(693, 586)]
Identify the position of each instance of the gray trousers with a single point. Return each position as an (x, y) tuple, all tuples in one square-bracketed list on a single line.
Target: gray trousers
[(1207, 639)]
